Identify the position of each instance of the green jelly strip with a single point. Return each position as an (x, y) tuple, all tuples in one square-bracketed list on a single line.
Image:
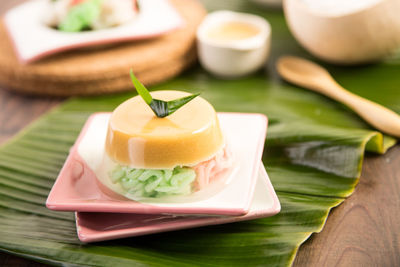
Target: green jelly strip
[(154, 183), (81, 16)]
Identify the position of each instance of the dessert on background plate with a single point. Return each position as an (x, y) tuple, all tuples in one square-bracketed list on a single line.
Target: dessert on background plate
[(81, 15), (35, 36), (164, 152)]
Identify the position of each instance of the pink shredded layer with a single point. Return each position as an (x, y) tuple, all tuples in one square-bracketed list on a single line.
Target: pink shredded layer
[(213, 169)]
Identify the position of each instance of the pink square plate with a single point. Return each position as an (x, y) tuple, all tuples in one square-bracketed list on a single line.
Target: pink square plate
[(93, 227), (33, 39), (78, 189)]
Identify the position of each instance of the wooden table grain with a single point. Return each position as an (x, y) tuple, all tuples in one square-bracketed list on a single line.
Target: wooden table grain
[(363, 231)]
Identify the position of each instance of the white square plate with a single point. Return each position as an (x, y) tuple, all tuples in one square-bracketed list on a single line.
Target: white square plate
[(78, 189), (33, 39), (94, 227)]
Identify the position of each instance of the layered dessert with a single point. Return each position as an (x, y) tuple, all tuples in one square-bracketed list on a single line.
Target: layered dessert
[(81, 15), (151, 156)]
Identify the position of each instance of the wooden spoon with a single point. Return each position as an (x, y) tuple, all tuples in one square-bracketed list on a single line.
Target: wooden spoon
[(307, 74)]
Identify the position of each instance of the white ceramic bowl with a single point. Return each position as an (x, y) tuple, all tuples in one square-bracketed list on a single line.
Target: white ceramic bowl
[(237, 57), (359, 36)]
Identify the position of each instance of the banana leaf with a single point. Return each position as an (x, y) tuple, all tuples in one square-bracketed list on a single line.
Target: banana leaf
[(314, 152)]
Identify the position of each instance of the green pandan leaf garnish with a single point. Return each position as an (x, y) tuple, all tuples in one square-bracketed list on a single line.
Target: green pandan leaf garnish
[(160, 107)]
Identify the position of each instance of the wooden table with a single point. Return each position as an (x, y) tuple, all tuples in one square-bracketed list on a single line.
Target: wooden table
[(363, 231)]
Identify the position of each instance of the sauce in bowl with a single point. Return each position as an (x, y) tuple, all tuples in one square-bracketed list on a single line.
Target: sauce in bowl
[(232, 31), (232, 44)]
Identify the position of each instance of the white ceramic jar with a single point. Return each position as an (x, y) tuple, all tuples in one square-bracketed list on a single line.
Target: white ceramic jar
[(347, 32), (228, 54)]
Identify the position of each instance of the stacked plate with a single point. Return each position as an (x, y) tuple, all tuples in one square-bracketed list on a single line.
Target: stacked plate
[(103, 215)]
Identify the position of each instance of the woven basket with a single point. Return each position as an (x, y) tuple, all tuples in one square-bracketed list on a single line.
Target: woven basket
[(104, 70)]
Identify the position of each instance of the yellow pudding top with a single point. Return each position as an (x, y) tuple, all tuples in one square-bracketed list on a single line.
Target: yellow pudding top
[(232, 31), (136, 137)]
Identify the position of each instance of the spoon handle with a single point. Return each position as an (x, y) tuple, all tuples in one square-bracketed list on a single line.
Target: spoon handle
[(378, 116)]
